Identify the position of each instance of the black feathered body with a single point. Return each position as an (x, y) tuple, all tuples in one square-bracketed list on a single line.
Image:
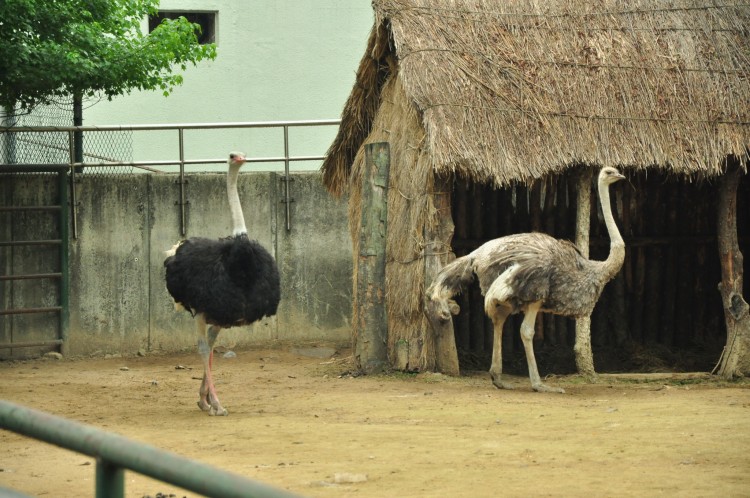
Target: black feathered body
[(231, 281)]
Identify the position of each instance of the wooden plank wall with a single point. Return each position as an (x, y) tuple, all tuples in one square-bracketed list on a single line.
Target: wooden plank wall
[(665, 298)]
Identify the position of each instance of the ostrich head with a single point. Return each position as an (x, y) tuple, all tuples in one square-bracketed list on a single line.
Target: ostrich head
[(608, 176), (236, 158), (442, 309)]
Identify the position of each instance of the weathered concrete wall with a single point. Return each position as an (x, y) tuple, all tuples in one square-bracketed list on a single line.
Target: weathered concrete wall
[(315, 261), (109, 269), (118, 300)]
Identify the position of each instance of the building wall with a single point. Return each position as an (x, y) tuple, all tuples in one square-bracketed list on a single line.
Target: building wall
[(277, 60), (118, 299)]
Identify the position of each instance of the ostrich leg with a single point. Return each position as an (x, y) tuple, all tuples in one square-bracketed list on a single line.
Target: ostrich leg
[(527, 336), (206, 338), (207, 398), (499, 314)]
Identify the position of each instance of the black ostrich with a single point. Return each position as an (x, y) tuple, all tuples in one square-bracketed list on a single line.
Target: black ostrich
[(222, 283)]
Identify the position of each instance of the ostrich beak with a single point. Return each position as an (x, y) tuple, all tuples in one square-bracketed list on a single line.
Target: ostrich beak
[(615, 176), (237, 158)]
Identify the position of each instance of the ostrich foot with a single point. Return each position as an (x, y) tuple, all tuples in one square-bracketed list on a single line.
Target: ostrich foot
[(218, 411), (498, 382), (544, 388), (214, 409)]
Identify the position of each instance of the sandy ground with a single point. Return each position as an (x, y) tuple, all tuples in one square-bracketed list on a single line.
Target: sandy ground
[(297, 423)]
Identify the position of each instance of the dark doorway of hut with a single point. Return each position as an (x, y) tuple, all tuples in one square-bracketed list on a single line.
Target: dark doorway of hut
[(662, 313)]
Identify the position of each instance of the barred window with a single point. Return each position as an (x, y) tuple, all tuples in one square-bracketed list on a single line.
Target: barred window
[(206, 20)]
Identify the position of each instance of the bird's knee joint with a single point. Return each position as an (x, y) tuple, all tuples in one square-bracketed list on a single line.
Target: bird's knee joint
[(203, 347), (527, 333)]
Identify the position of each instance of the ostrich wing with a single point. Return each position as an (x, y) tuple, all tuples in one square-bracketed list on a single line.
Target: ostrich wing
[(231, 280), (537, 259), (253, 271), (190, 269)]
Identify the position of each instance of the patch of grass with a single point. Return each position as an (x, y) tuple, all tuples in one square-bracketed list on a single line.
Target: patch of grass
[(401, 375)]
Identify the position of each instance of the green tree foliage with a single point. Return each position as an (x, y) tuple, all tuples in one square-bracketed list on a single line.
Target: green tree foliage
[(52, 48)]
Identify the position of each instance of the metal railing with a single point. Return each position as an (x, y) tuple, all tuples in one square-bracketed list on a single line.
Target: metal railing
[(72, 165), (114, 454)]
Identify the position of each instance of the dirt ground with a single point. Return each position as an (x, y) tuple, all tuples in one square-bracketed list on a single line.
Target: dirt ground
[(297, 423)]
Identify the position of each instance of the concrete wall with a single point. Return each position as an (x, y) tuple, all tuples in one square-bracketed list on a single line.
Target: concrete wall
[(118, 300)]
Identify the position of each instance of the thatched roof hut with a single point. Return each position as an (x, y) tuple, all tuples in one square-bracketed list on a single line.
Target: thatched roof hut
[(501, 96)]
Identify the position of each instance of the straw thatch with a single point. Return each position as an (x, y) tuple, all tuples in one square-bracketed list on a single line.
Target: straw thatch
[(503, 92), (514, 90)]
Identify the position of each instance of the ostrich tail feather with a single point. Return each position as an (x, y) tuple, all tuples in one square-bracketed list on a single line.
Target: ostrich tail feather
[(172, 250), (452, 278)]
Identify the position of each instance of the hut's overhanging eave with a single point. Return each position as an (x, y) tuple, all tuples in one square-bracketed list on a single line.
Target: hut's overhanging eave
[(512, 91)]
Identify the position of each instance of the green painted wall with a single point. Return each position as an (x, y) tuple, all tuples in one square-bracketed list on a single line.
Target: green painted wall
[(277, 60)]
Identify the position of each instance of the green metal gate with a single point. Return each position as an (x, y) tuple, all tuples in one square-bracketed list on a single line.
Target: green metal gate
[(48, 222)]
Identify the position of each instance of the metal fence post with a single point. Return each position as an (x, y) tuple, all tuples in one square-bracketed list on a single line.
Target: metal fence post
[(287, 198), (73, 207), (110, 480), (183, 223)]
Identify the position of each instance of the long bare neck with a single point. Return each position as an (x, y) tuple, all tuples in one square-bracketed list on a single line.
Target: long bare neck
[(238, 220), (616, 257)]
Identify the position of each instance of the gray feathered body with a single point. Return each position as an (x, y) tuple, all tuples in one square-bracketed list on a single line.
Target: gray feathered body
[(529, 272), (533, 267)]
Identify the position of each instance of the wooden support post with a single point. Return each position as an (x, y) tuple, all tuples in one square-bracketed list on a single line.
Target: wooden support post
[(371, 348), (735, 359), (461, 217), (436, 237), (582, 348), (476, 299)]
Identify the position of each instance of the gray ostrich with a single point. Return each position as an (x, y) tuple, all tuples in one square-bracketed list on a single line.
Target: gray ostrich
[(529, 273)]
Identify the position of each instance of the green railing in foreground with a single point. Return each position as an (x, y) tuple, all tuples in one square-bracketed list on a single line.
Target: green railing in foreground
[(116, 453)]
